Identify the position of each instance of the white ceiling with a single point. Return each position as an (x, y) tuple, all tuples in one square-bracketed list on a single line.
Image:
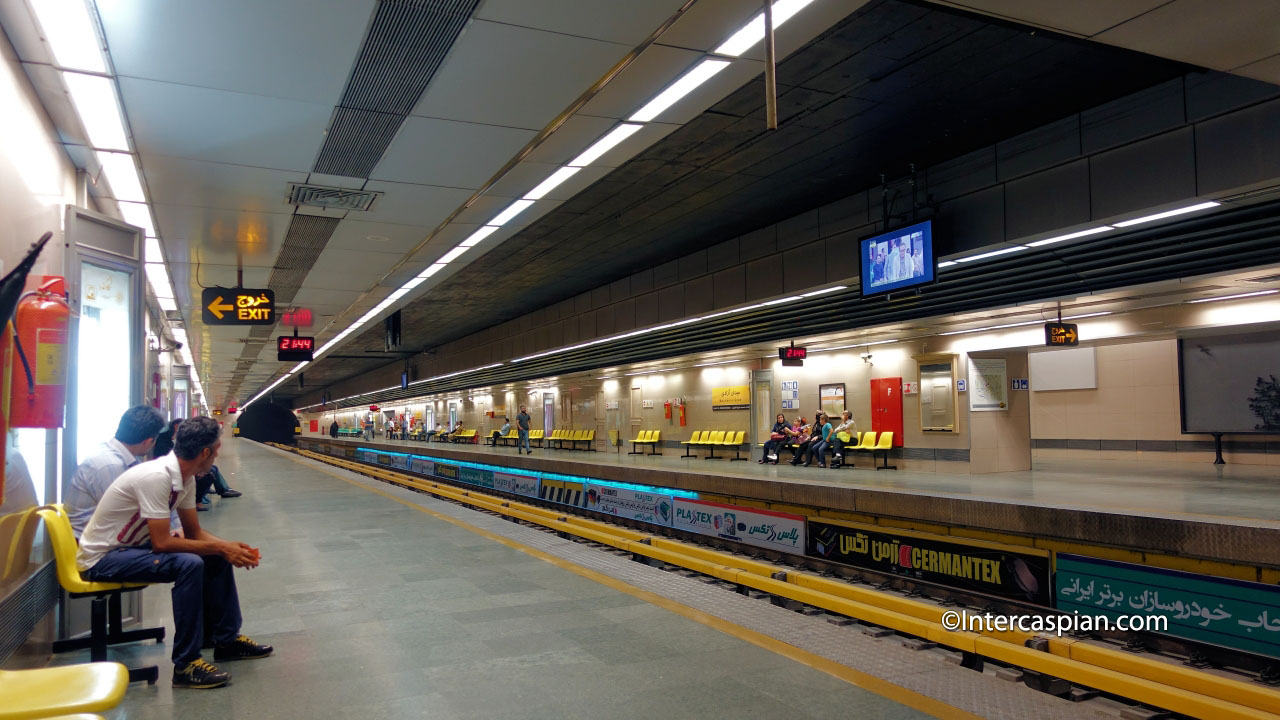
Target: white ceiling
[(1235, 36), (228, 102)]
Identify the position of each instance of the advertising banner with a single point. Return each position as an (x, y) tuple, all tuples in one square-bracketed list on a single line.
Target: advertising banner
[(1230, 613), (476, 476), (518, 484), (763, 528), (422, 466), (449, 472), (1009, 571), (624, 502), (737, 397), (400, 461), (384, 458)]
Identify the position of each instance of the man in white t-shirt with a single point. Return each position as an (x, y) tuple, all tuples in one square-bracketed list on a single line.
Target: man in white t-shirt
[(128, 540)]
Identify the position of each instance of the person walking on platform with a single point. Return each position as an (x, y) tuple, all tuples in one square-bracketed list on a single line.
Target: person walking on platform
[(128, 540), (522, 427), (136, 435)]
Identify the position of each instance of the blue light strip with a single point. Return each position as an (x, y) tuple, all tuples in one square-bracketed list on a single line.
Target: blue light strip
[(689, 494)]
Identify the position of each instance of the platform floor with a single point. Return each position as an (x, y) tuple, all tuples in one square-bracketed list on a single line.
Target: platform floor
[(384, 603), (1244, 494)]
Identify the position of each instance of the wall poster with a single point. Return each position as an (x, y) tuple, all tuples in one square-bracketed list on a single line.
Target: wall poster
[(988, 384), (831, 398)]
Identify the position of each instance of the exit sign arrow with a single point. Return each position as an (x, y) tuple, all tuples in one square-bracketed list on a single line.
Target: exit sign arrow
[(217, 307)]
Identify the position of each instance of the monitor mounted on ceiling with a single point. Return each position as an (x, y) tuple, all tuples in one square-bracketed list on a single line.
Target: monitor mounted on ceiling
[(897, 260)]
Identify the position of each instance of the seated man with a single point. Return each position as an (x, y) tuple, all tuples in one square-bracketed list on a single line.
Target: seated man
[(135, 437), (128, 540)]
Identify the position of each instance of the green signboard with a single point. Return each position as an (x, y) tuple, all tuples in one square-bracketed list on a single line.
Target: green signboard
[(1231, 613)]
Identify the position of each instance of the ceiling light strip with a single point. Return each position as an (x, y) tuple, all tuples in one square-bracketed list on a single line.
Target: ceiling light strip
[(1233, 297)]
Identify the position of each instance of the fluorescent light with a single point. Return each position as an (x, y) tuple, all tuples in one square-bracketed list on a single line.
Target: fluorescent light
[(687, 83), (1022, 324), (123, 176), (511, 211), (451, 255), (69, 30), (298, 367), (816, 293), (158, 276), (946, 263), (855, 345), (993, 253), (413, 283), (432, 270), (753, 31), (153, 252), (550, 183), (168, 304), (474, 238), (397, 295), (605, 144), (779, 301), (722, 362), (1167, 214), (650, 372), (139, 214), (1234, 297), (1071, 236), (95, 101)]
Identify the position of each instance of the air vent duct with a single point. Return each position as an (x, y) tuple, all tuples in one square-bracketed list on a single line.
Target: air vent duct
[(331, 198)]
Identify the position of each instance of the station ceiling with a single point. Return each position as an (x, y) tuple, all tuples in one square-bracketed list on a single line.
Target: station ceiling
[(444, 108)]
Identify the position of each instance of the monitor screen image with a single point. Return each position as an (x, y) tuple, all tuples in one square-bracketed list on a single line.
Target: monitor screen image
[(902, 258)]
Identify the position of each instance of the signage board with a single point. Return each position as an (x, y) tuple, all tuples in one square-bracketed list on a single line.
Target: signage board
[(518, 484), (476, 476), (1231, 613), (753, 526), (293, 348), (449, 472), (737, 397), (297, 317), (790, 394), (988, 384), (1061, 334), (1007, 571), (624, 502), (238, 306)]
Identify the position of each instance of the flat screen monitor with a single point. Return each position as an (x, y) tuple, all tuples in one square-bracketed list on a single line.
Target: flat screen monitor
[(899, 259)]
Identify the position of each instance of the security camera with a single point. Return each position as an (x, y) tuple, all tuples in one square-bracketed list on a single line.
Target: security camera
[(177, 346), (865, 356)]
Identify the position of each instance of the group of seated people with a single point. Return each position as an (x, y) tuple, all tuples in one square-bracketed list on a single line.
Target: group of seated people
[(809, 442)]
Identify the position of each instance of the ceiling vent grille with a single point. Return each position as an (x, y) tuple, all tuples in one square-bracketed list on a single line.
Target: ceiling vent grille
[(331, 198)]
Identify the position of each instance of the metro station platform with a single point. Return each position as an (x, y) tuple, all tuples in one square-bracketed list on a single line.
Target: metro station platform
[(1191, 511), (385, 603)]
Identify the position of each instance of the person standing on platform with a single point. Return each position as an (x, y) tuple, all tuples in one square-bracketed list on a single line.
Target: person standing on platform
[(333, 429), (128, 540), (368, 428), (135, 437), (522, 428)]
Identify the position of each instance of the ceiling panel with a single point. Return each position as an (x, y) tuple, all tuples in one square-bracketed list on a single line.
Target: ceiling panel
[(377, 237), (406, 204), (570, 139), (220, 234), (1079, 17), (299, 49), (226, 127), (1218, 34), (179, 181), (645, 77), (449, 153), (351, 269), (515, 92), (620, 21)]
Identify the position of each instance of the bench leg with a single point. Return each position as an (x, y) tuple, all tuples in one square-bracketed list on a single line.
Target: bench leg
[(633, 450), (115, 624), (712, 454), (150, 674), (737, 454), (688, 452), (654, 451), (886, 465)]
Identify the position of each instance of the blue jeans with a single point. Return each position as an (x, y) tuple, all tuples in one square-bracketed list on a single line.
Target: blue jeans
[(206, 607), (524, 440), (817, 449)]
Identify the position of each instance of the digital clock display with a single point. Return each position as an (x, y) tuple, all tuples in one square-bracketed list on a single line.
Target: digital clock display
[(793, 353), (292, 348)]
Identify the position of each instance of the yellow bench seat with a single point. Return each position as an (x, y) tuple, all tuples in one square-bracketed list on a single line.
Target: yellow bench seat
[(65, 690)]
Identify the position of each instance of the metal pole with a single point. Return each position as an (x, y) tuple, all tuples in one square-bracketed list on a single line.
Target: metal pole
[(770, 71)]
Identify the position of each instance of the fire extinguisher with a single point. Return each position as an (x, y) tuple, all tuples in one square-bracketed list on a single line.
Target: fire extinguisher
[(38, 393), (666, 409), (681, 406)]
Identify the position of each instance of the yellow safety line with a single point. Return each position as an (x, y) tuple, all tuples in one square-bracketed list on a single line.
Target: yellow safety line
[(897, 693), (1137, 677)]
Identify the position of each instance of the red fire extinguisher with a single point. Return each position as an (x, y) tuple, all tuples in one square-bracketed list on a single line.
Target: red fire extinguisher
[(38, 393), (666, 409), (681, 414)]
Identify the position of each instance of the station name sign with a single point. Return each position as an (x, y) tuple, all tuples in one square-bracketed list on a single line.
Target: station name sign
[(238, 306), (292, 348)]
